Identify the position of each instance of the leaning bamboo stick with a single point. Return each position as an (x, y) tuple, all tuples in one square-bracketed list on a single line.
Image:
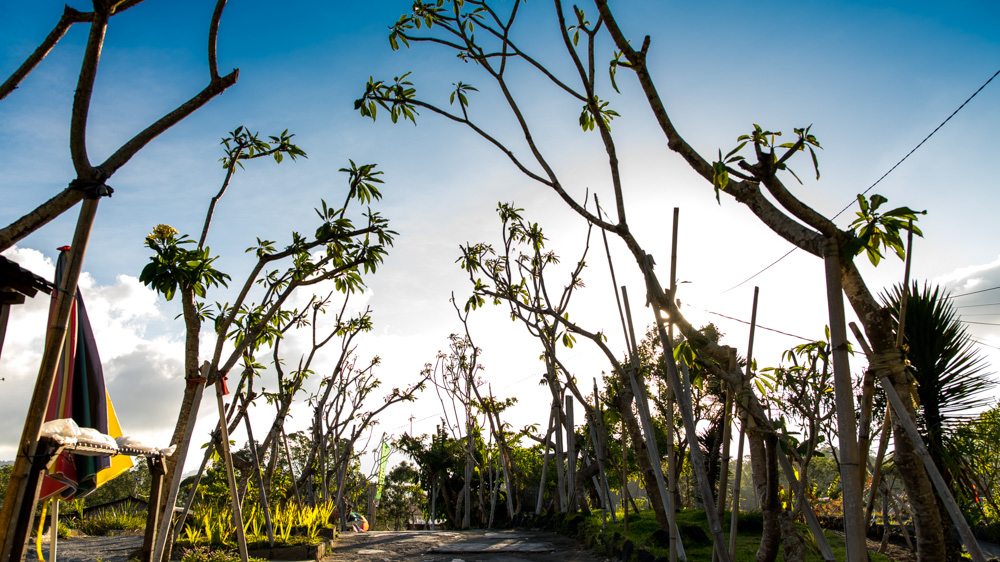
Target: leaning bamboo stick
[(570, 455), (687, 413), (227, 457), (734, 516), (726, 437), (944, 493), (671, 455), (545, 463), (598, 437), (639, 389)]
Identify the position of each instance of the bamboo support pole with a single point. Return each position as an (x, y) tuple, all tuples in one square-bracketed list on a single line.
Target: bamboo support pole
[(260, 479), (467, 488), (291, 469), (942, 489), (599, 437), (734, 516), (671, 455), (54, 531), (570, 455), (560, 472), (687, 415), (639, 390), (850, 465), (624, 477), (814, 527), (545, 463), (65, 300), (883, 444), (241, 539), (726, 437)]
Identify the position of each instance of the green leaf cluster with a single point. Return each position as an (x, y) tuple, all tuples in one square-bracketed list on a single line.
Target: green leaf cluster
[(174, 267), (396, 98), (872, 231)]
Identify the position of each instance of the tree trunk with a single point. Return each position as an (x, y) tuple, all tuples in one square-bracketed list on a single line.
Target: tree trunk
[(763, 459), (624, 405)]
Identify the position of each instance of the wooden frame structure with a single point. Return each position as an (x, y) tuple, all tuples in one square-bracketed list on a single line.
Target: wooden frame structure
[(48, 450)]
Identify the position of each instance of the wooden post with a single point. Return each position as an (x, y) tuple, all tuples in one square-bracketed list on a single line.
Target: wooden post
[(545, 463), (671, 455), (599, 437), (570, 454), (942, 489), (624, 478), (372, 487), (291, 469), (260, 479), (734, 516), (726, 437), (467, 488), (639, 390), (687, 414), (54, 530), (157, 469), (560, 472), (241, 539), (18, 492), (850, 465)]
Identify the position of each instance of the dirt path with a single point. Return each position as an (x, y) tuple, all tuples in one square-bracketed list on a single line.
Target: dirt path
[(464, 546)]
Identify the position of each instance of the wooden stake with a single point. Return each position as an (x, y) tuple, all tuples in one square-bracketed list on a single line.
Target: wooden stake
[(260, 479), (65, 300), (671, 455), (942, 489), (687, 415), (734, 516), (850, 465), (560, 469), (241, 539), (599, 437), (639, 390), (726, 437), (545, 463), (570, 454), (291, 469), (624, 477)]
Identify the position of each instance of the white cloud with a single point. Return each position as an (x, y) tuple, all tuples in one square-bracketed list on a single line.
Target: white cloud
[(143, 373)]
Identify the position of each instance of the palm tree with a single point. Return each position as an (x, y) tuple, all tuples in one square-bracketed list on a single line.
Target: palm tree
[(952, 379)]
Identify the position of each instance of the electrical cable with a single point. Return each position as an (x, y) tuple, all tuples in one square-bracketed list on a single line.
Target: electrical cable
[(921, 143), (759, 327), (973, 292), (980, 342), (979, 305)]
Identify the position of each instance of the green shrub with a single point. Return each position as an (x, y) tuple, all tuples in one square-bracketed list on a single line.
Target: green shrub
[(112, 519)]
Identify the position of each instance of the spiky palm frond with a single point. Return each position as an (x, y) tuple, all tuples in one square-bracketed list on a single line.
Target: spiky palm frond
[(952, 377)]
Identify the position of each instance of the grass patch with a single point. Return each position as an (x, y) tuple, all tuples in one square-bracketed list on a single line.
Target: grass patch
[(643, 526), (111, 519)]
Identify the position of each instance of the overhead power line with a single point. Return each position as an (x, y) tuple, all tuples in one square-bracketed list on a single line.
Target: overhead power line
[(759, 327), (978, 305), (981, 323), (973, 292), (980, 342), (896, 165)]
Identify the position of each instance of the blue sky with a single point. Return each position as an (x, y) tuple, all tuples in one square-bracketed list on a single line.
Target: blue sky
[(872, 78)]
